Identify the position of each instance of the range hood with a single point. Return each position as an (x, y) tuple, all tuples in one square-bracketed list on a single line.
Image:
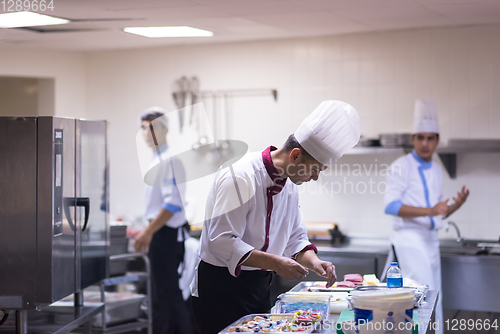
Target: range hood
[(448, 154), (471, 145)]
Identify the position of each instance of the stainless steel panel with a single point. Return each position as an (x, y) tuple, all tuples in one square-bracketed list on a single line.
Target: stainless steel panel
[(471, 282), (92, 183), (56, 228), (40, 220), (18, 210)]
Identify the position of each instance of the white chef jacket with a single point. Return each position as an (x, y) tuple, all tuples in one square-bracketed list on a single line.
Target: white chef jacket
[(415, 182), (236, 212), (167, 193)]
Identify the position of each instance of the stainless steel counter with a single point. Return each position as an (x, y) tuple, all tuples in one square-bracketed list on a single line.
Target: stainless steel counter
[(360, 255), (355, 245), (471, 282)]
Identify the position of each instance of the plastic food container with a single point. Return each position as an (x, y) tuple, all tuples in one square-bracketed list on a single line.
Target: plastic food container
[(420, 291), (377, 311), (291, 303)]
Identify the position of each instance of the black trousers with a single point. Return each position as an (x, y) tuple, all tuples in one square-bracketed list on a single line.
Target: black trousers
[(170, 312), (223, 298)]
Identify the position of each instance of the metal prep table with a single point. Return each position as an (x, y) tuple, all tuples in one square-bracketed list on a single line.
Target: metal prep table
[(59, 318), (132, 277)]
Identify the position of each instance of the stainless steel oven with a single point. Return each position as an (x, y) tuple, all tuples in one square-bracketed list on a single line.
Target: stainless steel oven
[(54, 232)]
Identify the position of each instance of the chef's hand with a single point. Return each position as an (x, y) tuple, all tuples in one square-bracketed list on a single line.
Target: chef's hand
[(440, 209), (461, 196), (459, 200), (142, 241), (326, 269), (290, 269)]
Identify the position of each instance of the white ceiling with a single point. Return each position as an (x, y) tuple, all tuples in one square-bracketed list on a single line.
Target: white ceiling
[(101, 21)]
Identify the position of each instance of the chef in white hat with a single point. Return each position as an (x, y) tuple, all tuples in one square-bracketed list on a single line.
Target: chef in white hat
[(253, 224), (415, 200)]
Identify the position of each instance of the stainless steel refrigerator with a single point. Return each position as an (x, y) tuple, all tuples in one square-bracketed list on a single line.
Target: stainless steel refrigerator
[(54, 232)]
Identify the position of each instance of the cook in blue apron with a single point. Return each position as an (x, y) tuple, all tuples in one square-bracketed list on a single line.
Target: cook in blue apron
[(415, 199)]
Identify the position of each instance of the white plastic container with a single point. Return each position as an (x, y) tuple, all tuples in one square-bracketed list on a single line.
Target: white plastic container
[(384, 311)]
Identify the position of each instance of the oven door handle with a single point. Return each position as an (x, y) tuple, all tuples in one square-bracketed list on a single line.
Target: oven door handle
[(85, 202), (77, 201)]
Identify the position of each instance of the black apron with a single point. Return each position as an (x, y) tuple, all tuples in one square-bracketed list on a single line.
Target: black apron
[(171, 314), (223, 298)]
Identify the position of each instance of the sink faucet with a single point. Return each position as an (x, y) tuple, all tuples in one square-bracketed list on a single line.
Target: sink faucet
[(459, 239)]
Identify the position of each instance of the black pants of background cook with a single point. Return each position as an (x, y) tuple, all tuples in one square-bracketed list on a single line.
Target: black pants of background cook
[(171, 313), (223, 299)]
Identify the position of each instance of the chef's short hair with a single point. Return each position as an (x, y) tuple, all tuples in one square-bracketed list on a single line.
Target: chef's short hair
[(292, 143), (152, 113)]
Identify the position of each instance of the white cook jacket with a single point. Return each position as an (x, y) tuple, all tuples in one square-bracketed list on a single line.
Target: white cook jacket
[(166, 193), (235, 219), (415, 182)]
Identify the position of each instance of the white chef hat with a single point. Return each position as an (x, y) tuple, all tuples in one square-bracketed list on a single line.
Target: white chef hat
[(425, 118), (156, 113), (332, 129)]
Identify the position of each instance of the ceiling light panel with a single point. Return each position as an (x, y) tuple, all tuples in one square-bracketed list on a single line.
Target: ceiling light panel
[(157, 32), (28, 19)]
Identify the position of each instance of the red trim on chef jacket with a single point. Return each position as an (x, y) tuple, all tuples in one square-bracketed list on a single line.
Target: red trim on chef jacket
[(279, 184), (237, 270), (270, 192), (308, 247)]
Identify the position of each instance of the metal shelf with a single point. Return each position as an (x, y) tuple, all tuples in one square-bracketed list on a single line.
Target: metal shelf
[(361, 150), (128, 278), (59, 318), (136, 325), (447, 154), (471, 146)]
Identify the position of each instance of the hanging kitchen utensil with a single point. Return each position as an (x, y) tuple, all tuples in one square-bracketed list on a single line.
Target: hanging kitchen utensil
[(226, 142), (176, 93), (184, 83), (202, 138), (194, 91), (179, 93), (214, 118)]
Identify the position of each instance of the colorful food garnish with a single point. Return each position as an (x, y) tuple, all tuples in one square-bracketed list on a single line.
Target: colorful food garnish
[(302, 320)]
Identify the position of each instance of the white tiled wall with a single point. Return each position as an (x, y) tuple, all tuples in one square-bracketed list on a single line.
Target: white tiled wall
[(380, 74)]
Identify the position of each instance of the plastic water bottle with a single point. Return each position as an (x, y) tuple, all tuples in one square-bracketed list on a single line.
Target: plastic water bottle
[(394, 276)]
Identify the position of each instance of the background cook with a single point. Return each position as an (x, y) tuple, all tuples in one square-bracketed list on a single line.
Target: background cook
[(415, 199)]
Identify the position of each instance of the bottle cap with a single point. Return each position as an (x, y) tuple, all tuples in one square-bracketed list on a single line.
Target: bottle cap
[(394, 264)]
